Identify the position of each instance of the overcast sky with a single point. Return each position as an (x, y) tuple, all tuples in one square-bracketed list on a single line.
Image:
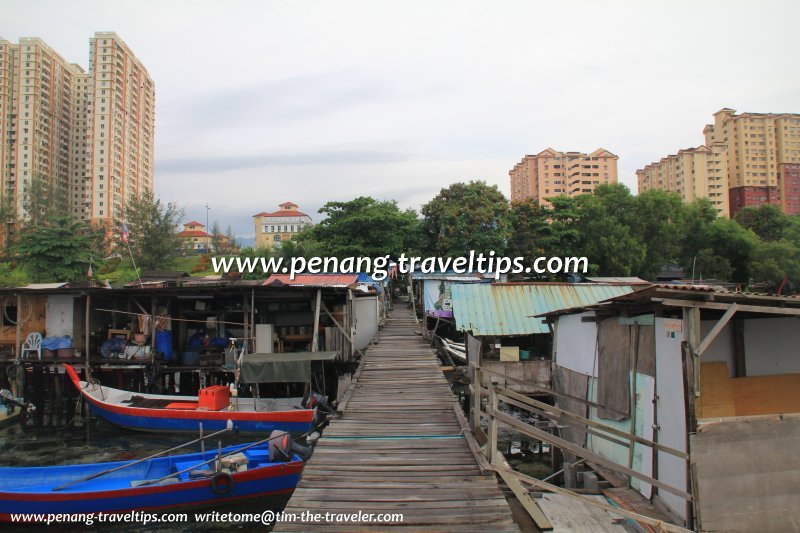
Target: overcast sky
[(262, 102)]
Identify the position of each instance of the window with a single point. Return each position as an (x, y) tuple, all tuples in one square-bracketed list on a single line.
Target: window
[(277, 238)]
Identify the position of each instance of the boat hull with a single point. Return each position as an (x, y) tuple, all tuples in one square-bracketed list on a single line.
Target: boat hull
[(179, 420), (243, 422), (270, 480)]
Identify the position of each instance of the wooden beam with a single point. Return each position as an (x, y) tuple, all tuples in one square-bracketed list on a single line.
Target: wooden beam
[(315, 336), (472, 442), (19, 329), (790, 311), (715, 331), (344, 332), (691, 325), (491, 446), (660, 524), (538, 434), (87, 328), (554, 411), (477, 386), (524, 497)]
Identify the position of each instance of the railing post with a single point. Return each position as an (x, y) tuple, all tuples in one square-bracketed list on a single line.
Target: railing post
[(475, 412), (491, 446)]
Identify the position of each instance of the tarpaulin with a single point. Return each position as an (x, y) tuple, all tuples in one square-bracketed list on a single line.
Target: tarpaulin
[(280, 367)]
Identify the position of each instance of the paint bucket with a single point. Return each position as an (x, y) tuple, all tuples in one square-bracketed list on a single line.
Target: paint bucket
[(524, 355)]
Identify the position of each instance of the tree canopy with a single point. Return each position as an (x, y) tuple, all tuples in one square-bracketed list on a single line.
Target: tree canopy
[(153, 232), (363, 226), (58, 249), (467, 216)]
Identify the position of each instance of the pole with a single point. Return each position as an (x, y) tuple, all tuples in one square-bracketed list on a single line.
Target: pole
[(315, 335), (88, 329), (208, 235)]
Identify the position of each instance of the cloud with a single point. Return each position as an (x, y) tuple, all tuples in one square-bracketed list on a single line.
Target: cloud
[(246, 161)]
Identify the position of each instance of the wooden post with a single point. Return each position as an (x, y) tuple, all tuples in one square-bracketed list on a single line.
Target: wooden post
[(88, 329), (634, 380), (19, 327), (152, 328), (252, 316), (476, 397), (691, 319), (491, 446), (315, 335)]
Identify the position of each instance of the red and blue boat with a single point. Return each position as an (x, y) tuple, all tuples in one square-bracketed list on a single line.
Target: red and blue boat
[(190, 480), (212, 408)]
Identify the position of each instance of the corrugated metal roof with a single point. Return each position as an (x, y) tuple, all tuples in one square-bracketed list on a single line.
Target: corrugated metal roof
[(632, 280), (450, 276), (508, 308), (44, 286), (313, 280)]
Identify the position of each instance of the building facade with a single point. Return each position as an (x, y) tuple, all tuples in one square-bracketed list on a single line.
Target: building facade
[(122, 113), (693, 173), (73, 142), (38, 115), (196, 237), (272, 229), (552, 173), (759, 154)]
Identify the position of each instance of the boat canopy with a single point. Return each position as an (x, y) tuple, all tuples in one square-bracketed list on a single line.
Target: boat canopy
[(281, 367)]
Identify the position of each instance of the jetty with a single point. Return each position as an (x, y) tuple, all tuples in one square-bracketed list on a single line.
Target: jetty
[(397, 445)]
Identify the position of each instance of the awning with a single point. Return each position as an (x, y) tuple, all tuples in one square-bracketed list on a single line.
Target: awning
[(281, 367)]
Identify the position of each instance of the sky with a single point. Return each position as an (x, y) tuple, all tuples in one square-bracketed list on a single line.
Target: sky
[(258, 103)]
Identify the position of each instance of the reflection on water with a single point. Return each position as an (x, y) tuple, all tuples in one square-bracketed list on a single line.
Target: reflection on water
[(98, 442)]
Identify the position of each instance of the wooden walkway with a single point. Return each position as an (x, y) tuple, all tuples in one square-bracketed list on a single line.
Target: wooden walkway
[(397, 447)]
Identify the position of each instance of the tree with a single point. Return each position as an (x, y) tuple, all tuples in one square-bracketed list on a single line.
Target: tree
[(363, 226), (58, 249), (467, 216), (153, 232), (531, 231), (659, 220), (715, 247), (767, 221), (231, 242), (608, 239), (773, 260)]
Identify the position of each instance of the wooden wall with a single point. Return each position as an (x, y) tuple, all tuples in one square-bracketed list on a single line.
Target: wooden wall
[(748, 474), (723, 396), (32, 314)]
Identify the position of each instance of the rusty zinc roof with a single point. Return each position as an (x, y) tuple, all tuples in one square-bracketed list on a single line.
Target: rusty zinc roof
[(507, 308), (312, 280)]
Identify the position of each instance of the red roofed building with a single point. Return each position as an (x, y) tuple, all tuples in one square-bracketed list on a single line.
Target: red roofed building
[(196, 236), (274, 228)]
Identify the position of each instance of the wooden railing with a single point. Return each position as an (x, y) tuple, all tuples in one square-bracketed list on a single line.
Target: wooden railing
[(495, 395)]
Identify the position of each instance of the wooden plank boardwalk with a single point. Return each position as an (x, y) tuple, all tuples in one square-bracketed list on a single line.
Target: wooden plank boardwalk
[(398, 447)]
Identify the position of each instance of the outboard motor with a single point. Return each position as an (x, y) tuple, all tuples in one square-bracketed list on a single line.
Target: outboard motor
[(282, 447), (7, 399), (316, 400)]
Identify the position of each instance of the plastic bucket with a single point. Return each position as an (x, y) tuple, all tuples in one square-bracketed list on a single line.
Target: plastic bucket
[(164, 344)]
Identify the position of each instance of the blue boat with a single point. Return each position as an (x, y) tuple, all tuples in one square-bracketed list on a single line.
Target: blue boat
[(159, 483)]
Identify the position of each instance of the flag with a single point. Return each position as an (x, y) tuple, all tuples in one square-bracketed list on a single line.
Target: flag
[(124, 233)]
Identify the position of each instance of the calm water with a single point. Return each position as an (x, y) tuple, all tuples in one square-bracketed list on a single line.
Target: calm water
[(99, 442)]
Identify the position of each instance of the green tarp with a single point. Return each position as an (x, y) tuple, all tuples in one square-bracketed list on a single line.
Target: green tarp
[(280, 367)]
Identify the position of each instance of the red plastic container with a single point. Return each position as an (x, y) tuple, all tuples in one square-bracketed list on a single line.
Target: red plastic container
[(214, 398)]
